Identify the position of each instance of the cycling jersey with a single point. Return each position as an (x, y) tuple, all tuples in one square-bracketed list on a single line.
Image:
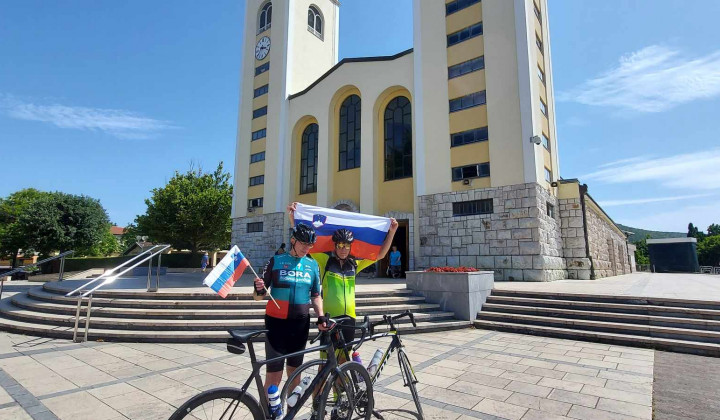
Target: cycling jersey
[(292, 281), (338, 284)]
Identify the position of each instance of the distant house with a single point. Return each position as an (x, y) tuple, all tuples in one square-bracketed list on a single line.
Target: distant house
[(117, 232), (137, 248)]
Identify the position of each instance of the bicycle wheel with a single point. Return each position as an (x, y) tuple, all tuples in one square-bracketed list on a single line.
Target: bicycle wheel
[(410, 380), (347, 395), (220, 404), (309, 369)]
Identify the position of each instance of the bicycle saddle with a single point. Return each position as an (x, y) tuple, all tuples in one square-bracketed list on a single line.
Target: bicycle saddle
[(243, 336)]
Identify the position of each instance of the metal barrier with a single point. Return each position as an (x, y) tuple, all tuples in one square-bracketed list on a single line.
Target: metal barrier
[(109, 277), (61, 256)]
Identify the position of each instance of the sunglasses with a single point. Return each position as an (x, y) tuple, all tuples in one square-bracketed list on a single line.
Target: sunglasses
[(342, 246)]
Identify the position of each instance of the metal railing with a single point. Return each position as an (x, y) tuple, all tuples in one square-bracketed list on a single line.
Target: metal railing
[(109, 277), (61, 256)]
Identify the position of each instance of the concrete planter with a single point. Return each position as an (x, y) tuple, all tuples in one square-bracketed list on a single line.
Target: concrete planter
[(461, 293)]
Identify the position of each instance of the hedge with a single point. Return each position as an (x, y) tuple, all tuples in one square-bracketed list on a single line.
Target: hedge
[(168, 260)]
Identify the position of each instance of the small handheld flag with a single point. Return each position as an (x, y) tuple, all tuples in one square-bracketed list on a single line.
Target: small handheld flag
[(222, 278)]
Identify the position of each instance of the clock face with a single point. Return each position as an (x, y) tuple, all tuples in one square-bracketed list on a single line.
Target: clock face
[(262, 48)]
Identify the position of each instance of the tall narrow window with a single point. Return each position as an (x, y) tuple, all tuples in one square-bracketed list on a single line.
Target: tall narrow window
[(349, 141), (265, 17), (308, 159), (315, 23), (543, 108), (398, 139)]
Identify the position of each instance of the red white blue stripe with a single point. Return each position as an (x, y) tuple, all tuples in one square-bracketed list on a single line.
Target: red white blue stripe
[(223, 277), (369, 231)]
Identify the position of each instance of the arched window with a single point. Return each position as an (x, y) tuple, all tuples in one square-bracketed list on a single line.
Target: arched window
[(349, 142), (315, 23), (308, 159), (265, 17), (398, 139)]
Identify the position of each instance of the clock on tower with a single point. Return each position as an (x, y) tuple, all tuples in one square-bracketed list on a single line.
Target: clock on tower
[(262, 48)]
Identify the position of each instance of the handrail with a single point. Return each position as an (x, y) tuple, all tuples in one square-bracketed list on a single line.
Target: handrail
[(108, 273), (153, 251), (19, 269)]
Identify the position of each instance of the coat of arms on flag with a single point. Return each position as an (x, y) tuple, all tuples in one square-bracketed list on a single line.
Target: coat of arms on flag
[(319, 220)]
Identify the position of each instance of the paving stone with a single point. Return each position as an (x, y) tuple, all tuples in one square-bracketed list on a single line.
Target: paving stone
[(486, 370), (585, 413), (577, 369), (645, 370), (522, 377), (559, 357), (500, 409), (621, 407), (14, 413), (625, 377), (79, 406), (504, 358), (481, 390), (441, 371), (537, 403), (548, 373), (455, 395), (628, 361), (530, 389), (513, 367), (494, 381), (629, 386), (598, 363), (582, 379), (617, 395), (541, 415), (560, 384), (538, 363), (573, 398)]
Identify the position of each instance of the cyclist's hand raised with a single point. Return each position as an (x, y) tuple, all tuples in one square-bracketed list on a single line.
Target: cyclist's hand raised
[(292, 207)]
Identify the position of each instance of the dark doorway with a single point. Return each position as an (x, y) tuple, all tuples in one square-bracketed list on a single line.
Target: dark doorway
[(401, 240)]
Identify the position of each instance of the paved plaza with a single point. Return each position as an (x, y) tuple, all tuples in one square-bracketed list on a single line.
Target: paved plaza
[(463, 374)]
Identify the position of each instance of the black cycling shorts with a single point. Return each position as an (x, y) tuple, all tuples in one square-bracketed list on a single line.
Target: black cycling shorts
[(285, 336)]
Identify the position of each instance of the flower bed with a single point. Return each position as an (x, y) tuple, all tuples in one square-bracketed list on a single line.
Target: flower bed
[(451, 270)]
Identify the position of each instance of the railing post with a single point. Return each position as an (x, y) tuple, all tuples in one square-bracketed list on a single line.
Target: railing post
[(77, 319), (87, 319), (62, 268), (149, 273), (158, 272)]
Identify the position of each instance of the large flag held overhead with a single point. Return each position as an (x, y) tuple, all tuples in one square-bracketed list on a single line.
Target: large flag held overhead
[(223, 277), (369, 231)]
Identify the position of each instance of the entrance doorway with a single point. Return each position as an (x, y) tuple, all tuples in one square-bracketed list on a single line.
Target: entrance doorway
[(402, 241)]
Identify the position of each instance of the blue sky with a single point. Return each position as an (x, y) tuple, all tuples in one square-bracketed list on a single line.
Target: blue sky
[(108, 98)]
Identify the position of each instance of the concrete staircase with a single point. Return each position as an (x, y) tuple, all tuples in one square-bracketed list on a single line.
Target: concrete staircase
[(139, 316), (687, 326)]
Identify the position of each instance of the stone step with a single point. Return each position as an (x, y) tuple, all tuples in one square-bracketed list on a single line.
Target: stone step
[(682, 346), (630, 300), (664, 321), (203, 303), (62, 288), (100, 321), (630, 308), (602, 326), (28, 303)]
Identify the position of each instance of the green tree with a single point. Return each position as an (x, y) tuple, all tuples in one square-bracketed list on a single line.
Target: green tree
[(709, 251), (192, 211), (694, 232), (11, 235), (129, 236), (106, 246), (713, 229), (641, 251), (59, 222)]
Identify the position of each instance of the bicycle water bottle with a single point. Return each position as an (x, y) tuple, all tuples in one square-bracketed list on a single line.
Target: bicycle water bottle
[(372, 367), (356, 357), (274, 398), (298, 391)]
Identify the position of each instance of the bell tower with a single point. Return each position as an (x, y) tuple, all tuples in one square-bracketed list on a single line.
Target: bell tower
[(287, 45)]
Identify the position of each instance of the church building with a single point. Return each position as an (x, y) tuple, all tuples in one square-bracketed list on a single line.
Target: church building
[(454, 137)]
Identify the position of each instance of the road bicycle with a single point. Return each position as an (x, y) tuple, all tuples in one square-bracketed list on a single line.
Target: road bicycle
[(335, 392), (406, 369)]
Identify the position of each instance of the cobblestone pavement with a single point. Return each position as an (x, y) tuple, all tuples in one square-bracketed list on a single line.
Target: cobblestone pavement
[(463, 374)]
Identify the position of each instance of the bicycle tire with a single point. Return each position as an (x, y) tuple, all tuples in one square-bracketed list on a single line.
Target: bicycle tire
[(410, 380), (229, 396), (301, 370), (354, 394)]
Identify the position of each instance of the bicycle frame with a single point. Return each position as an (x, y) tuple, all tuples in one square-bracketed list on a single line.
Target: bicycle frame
[(328, 368)]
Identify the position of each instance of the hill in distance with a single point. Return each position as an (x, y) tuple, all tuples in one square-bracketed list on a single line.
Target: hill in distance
[(639, 234)]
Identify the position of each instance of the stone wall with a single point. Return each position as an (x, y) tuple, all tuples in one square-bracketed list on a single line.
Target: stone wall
[(608, 247), (573, 237), (519, 240), (258, 247)]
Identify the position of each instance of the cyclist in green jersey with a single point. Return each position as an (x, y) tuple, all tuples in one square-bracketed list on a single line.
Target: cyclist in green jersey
[(338, 270)]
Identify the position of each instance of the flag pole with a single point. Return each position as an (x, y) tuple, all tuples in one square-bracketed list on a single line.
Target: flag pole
[(266, 289)]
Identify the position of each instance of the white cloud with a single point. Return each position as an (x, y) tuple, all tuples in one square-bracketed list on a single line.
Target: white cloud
[(693, 171), (653, 79), (612, 203), (701, 214), (119, 123)]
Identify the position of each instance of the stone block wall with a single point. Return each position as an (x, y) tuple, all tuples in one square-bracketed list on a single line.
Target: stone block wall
[(258, 247), (608, 248), (573, 237), (519, 240)]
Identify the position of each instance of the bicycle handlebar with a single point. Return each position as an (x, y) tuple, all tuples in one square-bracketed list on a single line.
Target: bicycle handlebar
[(388, 319)]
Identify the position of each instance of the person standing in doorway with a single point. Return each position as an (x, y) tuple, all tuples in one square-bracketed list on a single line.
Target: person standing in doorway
[(395, 262), (204, 261)]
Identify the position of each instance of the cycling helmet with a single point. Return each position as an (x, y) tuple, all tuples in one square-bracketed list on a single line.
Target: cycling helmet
[(343, 235), (304, 233)]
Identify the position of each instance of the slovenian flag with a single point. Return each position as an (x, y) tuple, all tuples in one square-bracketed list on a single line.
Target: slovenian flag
[(223, 277), (369, 231)]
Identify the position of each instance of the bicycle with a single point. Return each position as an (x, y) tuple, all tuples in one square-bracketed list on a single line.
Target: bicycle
[(406, 369), (349, 383)]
